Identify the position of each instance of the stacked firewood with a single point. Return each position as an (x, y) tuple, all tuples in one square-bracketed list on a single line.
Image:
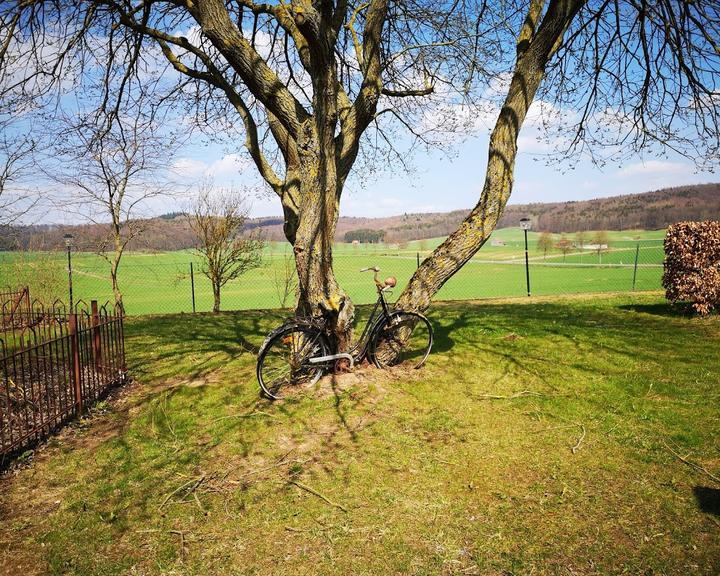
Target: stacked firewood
[(692, 264)]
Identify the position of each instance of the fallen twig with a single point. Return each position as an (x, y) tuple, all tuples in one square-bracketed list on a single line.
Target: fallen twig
[(560, 427), (509, 397), (197, 501), (182, 543), (582, 437), (280, 462), (692, 464), (194, 483), (318, 494), (246, 414)]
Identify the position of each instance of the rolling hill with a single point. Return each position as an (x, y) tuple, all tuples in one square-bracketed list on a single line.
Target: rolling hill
[(650, 211)]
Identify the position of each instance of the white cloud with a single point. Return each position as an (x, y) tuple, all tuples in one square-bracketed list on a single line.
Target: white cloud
[(532, 145), (655, 168), (189, 167), (229, 165), (225, 169)]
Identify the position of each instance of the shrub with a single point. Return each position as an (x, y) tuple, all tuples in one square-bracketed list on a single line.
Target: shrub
[(692, 264)]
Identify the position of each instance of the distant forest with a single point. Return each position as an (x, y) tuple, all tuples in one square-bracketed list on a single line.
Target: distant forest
[(649, 211)]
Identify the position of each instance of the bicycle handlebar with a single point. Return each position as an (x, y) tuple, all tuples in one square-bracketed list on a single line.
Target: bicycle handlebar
[(381, 286)]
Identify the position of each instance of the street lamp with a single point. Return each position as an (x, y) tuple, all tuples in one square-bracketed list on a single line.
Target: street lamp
[(525, 225), (69, 245)]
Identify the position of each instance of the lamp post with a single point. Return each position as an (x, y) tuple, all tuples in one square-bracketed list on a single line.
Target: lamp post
[(69, 244), (525, 225)]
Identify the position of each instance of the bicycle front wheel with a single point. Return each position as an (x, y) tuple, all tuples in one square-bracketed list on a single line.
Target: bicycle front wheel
[(284, 365), (405, 338)]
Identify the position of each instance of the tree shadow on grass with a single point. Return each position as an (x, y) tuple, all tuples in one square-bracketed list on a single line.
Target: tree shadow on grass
[(708, 499), (443, 329), (664, 309), (211, 340)]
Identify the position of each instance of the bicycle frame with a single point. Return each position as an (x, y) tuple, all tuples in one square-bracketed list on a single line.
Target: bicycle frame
[(360, 349), (380, 313)]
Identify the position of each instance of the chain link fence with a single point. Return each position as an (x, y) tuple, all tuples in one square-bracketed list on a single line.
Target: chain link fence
[(173, 282)]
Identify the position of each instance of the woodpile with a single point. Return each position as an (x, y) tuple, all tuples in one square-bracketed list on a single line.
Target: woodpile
[(692, 264)]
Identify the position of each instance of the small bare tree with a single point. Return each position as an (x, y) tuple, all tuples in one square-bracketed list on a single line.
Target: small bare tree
[(218, 219), (580, 239), (564, 245), (286, 281), (545, 243), (113, 168), (602, 243)]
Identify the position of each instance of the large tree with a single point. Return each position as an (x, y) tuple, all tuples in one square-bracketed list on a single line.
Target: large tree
[(307, 79), (311, 79), (630, 75)]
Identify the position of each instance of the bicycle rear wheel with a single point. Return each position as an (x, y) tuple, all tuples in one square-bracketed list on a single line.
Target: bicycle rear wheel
[(405, 338), (284, 366)]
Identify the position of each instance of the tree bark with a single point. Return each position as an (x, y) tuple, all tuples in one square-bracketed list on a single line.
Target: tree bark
[(535, 47), (317, 177), (115, 259), (115, 286), (216, 297), (320, 293)]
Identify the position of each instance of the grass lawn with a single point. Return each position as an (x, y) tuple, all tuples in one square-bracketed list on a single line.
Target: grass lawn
[(539, 439), (160, 283)]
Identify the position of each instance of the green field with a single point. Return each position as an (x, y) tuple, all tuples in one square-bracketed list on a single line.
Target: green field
[(545, 436), (160, 282)]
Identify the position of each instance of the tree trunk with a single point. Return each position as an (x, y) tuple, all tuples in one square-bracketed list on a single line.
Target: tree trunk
[(534, 51), (315, 172), (216, 297), (114, 280), (320, 294)]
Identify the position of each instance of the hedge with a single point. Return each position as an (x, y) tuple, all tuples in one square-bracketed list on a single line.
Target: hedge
[(692, 264)]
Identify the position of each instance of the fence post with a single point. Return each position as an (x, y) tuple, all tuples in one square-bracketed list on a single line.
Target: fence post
[(97, 345), (192, 285), (637, 253), (418, 259), (28, 307), (75, 372)]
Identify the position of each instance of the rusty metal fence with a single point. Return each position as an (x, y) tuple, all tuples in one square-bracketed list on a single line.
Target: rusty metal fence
[(15, 308), (53, 366)]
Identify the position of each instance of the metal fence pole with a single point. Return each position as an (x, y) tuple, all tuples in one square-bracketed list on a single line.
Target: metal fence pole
[(75, 371), (637, 253), (97, 344), (418, 259), (192, 285), (527, 264)]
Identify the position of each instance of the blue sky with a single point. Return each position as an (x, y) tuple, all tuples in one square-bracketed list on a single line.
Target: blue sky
[(440, 184)]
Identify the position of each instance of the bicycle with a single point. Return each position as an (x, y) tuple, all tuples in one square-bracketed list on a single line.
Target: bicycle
[(297, 353)]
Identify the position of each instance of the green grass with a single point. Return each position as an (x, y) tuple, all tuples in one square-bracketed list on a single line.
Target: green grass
[(160, 283), (435, 474)]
